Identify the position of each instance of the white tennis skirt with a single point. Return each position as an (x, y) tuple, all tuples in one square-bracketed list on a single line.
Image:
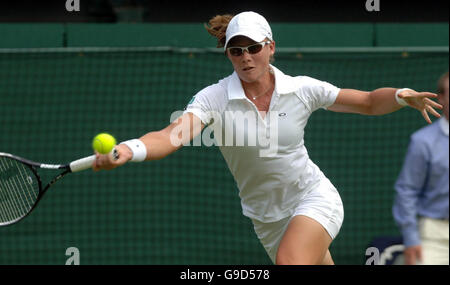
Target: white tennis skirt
[(322, 203)]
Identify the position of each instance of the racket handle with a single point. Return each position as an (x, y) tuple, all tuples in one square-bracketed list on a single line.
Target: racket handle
[(82, 163), (86, 162)]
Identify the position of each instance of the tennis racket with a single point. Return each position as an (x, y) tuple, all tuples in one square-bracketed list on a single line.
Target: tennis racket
[(21, 187)]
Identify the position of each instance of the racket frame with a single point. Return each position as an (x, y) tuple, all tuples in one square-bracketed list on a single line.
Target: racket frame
[(33, 166)]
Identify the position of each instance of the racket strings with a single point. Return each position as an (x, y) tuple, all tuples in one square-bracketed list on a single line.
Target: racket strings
[(19, 190)]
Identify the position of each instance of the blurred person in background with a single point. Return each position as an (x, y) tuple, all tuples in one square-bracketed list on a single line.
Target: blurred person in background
[(421, 204)]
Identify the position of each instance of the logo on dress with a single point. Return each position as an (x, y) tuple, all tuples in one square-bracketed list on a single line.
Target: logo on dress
[(282, 114)]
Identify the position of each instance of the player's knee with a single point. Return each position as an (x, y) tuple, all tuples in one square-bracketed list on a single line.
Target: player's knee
[(285, 257), (289, 257), (327, 260)]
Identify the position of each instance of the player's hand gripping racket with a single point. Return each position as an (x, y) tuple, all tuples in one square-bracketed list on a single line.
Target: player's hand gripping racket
[(21, 187)]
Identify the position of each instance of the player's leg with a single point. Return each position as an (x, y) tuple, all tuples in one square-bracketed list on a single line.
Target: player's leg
[(328, 260), (315, 223), (305, 242)]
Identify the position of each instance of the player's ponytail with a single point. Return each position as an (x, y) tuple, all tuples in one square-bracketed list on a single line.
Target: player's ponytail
[(217, 28)]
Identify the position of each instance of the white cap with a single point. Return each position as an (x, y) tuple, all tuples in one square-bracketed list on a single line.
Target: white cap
[(248, 24)]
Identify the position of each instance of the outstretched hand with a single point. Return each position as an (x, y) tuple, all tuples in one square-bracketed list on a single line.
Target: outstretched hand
[(107, 162), (422, 102)]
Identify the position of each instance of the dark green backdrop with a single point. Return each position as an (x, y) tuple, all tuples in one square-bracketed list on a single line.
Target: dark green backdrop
[(185, 208)]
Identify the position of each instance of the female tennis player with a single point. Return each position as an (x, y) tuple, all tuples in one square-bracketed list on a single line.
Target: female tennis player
[(295, 209)]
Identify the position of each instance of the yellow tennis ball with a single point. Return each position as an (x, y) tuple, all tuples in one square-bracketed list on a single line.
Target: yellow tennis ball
[(103, 143)]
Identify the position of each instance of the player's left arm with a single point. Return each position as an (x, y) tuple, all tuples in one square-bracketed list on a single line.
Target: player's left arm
[(382, 101)]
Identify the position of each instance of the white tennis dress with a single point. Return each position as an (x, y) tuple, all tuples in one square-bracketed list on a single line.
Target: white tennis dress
[(267, 156)]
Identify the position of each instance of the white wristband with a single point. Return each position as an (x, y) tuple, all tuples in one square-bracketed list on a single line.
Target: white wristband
[(138, 148), (400, 101)]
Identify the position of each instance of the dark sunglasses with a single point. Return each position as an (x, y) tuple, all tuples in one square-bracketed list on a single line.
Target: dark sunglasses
[(251, 49)]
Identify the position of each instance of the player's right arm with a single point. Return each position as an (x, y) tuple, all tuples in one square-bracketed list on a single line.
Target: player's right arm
[(159, 144)]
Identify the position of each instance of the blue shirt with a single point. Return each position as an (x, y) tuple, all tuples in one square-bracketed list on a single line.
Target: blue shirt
[(422, 187)]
